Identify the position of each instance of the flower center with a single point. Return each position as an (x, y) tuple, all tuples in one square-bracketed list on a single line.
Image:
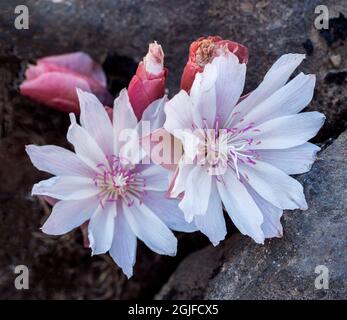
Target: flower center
[(223, 148), (119, 180)]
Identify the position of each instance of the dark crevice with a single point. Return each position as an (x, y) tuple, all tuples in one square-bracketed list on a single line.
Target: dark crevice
[(336, 77), (119, 71), (337, 31)]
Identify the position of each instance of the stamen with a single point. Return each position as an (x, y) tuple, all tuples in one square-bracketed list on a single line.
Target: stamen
[(119, 180)]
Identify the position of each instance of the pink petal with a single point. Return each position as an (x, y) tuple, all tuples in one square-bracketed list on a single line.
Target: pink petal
[(171, 148), (79, 62)]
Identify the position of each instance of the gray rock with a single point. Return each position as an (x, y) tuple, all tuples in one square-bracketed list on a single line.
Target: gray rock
[(281, 268)]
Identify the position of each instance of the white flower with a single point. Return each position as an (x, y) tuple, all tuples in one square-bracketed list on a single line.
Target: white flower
[(104, 183), (243, 149)]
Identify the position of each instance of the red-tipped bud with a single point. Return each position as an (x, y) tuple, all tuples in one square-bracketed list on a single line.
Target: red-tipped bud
[(148, 84), (203, 51)]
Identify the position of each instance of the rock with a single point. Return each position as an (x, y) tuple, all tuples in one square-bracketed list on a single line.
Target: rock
[(282, 268), (335, 60)]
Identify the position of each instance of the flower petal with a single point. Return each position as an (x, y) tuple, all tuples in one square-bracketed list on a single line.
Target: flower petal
[(150, 229), (85, 146), (57, 161), (180, 179), (70, 214), (66, 188), (155, 114), (123, 248), (274, 185), (212, 223), (288, 100), (79, 62), (272, 215), (96, 121), (240, 206), (229, 84), (203, 95), (285, 132), (197, 193), (123, 118), (162, 148), (101, 228), (294, 160), (275, 78), (179, 113), (168, 211), (155, 176)]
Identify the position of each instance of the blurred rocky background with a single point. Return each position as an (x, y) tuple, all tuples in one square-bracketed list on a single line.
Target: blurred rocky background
[(116, 34)]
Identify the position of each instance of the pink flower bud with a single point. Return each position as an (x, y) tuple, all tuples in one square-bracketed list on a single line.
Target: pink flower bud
[(53, 81), (203, 51), (148, 84)]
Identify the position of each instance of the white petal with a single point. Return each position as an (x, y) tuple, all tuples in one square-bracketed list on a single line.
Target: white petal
[(212, 223), (101, 228), (180, 179), (294, 160), (274, 185), (67, 215), (156, 177), (130, 146), (197, 193), (288, 100), (66, 188), (240, 206), (96, 121), (203, 95), (123, 249), (272, 215), (155, 114), (123, 118), (190, 142), (150, 229), (285, 132), (168, 211), (179, 113), (282, 69), (85, 146), (57, 161), (229, 85), (275, 78)]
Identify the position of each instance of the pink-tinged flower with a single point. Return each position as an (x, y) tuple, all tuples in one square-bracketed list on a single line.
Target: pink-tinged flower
[(243, 151), (203, 51), (148, 84), (53, 81), (103, 183)]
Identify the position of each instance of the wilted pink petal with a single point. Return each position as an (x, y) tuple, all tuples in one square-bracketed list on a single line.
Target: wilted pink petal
[(53, 81), (79, 62)]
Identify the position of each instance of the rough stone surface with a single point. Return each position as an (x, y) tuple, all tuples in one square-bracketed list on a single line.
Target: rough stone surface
[(282, 268), (116, 33)]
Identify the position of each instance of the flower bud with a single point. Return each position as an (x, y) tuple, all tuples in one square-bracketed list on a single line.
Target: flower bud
[(148, 84), (203, 51)]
